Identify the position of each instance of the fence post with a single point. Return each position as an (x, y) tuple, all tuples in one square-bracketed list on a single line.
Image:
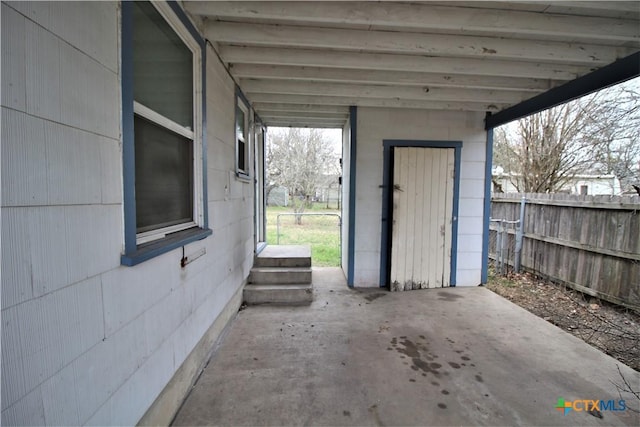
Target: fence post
[(503, 248), (278, 229), (519, 235)]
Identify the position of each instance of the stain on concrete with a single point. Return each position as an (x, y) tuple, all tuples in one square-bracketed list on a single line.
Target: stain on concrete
[(346, 413), (445, 392), (374, 410), (435, 383), (409, 349), (421, 359), (373, 297), (596, 413), (465, 358), (419, 364), (412, 380), (442, 406), (448, 296), (454, 365), (479, 378)]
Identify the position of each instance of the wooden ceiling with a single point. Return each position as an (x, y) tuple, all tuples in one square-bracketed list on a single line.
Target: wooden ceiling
[(304, 63)]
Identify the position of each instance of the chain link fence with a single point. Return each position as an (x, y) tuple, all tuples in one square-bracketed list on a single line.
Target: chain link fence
[(504, 252)]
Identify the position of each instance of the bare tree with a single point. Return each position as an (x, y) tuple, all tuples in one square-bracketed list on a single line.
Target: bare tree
[(616, 148), (300, 160), (600, 133)]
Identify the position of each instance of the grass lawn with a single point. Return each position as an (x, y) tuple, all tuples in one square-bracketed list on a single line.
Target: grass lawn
[(321, 232)]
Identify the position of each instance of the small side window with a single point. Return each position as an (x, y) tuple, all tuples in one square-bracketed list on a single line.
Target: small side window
[(242, 139)]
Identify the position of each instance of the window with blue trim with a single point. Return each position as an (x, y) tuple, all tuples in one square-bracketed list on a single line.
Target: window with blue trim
[(242, 138), (163, 148)]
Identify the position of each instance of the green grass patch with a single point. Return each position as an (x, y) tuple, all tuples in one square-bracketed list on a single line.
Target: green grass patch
[(322, 233)]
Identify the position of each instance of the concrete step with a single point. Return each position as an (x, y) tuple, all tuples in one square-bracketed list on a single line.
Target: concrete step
[(280, 275), (291, 294), (284, 256)]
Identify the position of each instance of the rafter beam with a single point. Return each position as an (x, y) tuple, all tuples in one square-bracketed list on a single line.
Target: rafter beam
[(290, 124), (372, 91), (307, 121), (319, 100), (423, 17), (266, 112), (413, 43), (312, 108), (368, 61), (346, 75)]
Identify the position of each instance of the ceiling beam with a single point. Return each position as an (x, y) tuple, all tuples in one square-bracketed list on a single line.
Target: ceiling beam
[(312, 108), (373, 91), (306, 121), (413, 43), (266, 112), (609, 9), (424, 17), (347, 101), (287, 124), (346, 75), (357, 60), (618, 72)]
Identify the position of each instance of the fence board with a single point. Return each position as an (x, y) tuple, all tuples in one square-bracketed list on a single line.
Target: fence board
[(590, 243)]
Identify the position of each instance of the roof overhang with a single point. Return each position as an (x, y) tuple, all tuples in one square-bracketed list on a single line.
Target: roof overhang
[(304, 63)]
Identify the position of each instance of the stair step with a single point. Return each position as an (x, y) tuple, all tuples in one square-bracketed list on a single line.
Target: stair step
[(284, 256), (291, 294), (280, 275)]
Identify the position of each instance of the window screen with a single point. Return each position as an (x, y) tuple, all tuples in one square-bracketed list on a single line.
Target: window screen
[(163, 83), (164, 176)]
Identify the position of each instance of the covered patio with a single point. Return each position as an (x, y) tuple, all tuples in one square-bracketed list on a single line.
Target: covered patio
[(458, 356)]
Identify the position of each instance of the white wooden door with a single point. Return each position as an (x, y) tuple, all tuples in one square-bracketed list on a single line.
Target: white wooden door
[(423, 180)]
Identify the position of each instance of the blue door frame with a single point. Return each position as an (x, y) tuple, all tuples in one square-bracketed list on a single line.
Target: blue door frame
[(387, 208)]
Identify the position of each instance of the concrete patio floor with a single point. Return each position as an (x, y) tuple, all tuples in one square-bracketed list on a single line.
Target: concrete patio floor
[(456, 356)]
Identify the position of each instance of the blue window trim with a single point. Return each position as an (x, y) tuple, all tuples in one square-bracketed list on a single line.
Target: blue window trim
[(484, 274), (133, 253), (242, 176), (385, 245), (353, 145)]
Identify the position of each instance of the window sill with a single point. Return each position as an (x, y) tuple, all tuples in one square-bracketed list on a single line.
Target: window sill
[(243, 177), (175, 240)]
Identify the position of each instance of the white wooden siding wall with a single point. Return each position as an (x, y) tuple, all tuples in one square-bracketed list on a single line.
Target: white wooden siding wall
[(377, 124), (422, 213), (85, 340)]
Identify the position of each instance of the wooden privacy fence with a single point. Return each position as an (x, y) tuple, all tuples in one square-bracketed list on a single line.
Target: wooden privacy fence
[(590, 243)]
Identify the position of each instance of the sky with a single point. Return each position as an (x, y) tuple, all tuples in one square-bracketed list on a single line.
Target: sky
[(332, 135)]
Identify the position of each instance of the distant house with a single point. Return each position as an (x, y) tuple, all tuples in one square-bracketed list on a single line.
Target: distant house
[(592, 185), (278, 196)]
